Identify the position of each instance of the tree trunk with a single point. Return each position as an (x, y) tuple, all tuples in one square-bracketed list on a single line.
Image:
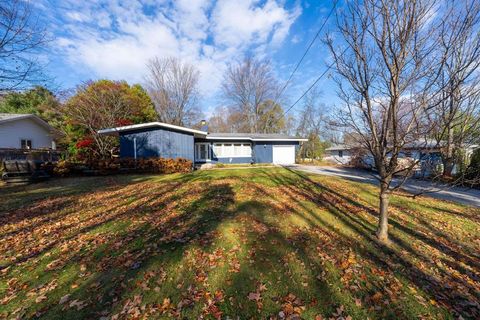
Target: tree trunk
[(448, 162), (382, 231)]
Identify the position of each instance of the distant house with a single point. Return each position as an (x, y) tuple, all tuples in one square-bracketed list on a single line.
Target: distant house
[(157, 139), (25, 131), (339, 153), (426, 151)]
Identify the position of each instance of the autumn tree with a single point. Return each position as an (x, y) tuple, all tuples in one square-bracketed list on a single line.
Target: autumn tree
[(38, 100), (387, 60), (22, 36), (104, 104), (173, 88), (250, 88)]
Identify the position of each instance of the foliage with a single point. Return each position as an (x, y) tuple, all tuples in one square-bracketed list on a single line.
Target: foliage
[(103, 104), (115, 165), (38, 100), (473, 169), (62, 168), (314, 148), (271, 118), (250, 243)]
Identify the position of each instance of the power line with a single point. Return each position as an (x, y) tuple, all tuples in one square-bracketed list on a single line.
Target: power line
[(313, 84), (306, 51), (306, 91)]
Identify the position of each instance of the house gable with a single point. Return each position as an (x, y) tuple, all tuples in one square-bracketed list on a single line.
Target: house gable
[(26, 128)]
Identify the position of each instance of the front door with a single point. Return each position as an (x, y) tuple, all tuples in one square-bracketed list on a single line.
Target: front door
[(202, 152)]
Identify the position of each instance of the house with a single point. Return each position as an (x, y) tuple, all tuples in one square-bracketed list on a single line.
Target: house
[(426, 151), (25, 131), (339, 153), (157, 139)]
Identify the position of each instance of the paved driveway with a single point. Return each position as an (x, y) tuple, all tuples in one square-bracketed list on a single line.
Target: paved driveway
[(465, 196)]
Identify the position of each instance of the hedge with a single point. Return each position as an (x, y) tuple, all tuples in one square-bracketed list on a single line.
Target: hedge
[(117, 165)]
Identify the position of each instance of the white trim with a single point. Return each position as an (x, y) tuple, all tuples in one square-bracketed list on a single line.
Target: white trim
[(254, 139), (150, 125), (286, 139), (231, 138)]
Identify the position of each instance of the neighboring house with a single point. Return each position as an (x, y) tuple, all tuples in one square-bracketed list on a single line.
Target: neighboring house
[(156, 139), (25, 131), (427, 152), (339, 153)]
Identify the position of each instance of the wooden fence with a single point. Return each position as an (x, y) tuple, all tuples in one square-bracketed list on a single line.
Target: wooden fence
[(32, 154)]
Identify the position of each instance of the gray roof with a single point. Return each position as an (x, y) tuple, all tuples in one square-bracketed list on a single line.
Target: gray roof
[(255, 136), (11, 116), (8, 117), (337, 147), (205, 134)]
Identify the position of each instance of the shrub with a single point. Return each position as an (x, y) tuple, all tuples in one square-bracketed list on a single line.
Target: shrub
[(62, 168), (157, 165), (473, 170), (114, 166)]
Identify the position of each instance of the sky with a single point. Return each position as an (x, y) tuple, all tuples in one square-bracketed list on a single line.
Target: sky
[(114, 39)]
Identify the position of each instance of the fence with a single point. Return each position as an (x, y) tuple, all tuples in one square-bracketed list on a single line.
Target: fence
[(32, 154)]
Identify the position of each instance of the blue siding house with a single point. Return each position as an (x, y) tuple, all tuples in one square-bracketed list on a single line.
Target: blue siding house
[(157, 139)]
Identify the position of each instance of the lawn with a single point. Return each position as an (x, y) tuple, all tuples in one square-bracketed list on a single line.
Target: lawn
[(254, 243)]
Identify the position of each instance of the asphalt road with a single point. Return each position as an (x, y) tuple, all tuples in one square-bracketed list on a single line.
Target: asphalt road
[(470, 197)]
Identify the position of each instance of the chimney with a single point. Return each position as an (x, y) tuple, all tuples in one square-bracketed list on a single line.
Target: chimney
[(204, 126)]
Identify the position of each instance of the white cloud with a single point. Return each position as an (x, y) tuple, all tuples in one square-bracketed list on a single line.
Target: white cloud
[(115, 38)]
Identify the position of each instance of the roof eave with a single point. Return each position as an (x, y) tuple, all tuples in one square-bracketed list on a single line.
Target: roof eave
[(117, 130)]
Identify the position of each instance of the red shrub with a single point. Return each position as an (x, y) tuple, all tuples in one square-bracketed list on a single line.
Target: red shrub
[(84, 143)]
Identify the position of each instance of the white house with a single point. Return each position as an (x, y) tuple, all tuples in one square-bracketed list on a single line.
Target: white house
[(25, 131), (339, 153)]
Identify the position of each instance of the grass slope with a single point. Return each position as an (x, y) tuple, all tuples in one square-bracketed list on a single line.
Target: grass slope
[(252, 243)]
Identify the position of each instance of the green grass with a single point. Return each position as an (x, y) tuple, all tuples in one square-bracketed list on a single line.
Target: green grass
[(248, 243)]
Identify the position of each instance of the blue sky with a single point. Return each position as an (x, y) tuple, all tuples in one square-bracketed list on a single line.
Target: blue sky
[(114, 39)]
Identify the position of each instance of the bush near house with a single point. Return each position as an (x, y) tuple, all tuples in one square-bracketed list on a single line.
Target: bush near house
[(113, 166)]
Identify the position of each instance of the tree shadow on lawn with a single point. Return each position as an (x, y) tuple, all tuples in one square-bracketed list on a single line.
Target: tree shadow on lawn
[(56, 215), (457, 293), (112, 265), (289, 267), (431, 235), (159, 228)]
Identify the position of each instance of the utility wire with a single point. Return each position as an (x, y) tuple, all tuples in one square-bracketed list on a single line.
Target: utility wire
[(306, 51), (306, 91), (312, 85)]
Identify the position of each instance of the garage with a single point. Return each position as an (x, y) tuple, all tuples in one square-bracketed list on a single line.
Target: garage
[(284, 154)]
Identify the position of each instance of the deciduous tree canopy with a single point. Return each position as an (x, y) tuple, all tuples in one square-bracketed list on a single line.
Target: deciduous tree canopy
[(103, 104)]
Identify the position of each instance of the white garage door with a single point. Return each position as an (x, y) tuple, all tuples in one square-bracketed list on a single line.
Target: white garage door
[(284, 154)]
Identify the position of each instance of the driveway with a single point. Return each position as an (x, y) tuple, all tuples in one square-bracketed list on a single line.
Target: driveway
[(470, 197)]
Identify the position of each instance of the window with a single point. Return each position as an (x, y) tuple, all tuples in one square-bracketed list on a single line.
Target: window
[(232, 150), (26, 144), (227, 150), (340, 153), (202, 151)]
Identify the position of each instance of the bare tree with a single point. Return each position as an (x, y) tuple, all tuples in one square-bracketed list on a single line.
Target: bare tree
[(248, 85), (386, 74), (312, 123), (21, 38), (172, 85), (457, 114)]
